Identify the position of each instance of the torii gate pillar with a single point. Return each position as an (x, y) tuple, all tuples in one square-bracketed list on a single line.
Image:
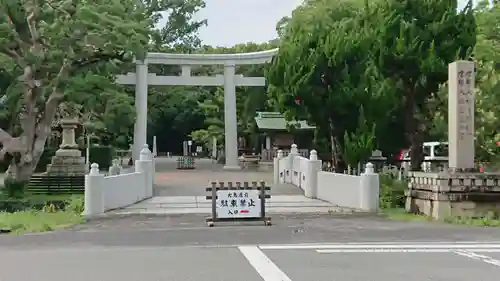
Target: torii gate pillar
[(141, 107), (230, 119)]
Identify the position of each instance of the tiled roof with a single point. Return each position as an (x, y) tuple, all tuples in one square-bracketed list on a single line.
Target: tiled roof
[(276, 121)]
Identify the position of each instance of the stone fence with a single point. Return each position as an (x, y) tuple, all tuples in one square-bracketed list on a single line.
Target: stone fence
[(349, 191), (104, 193)]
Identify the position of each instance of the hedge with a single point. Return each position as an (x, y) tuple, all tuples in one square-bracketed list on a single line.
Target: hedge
[(102, 155)]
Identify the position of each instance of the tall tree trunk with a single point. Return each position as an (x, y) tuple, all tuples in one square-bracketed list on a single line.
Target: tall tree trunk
[(413, 131), (337, 160), (416, 151), (28, 148), (22, 168)]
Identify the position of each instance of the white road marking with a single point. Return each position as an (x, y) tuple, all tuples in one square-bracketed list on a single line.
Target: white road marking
[(262, 264), (478, 257), (457, 246), (333, 251)]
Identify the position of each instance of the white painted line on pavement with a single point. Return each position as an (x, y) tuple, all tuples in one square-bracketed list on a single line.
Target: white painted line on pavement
[(333, 251), (381, 246), (478, 257), (262, 264)]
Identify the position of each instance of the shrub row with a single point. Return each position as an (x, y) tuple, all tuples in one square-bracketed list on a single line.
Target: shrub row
[(11, 205)]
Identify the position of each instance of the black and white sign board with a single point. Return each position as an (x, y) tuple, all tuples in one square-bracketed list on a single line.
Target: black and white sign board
[(238, 203)]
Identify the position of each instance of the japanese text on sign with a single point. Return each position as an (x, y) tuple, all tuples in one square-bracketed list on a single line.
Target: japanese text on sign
[(465, 104), (238, 204)]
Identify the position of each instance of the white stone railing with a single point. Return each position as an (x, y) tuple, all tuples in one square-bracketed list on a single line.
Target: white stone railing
[(357, 192), (267, 155), (104, 193)]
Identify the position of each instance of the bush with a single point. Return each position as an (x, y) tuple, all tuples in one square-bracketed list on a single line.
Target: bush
[(3, 166), (14, 189), (75, 204), (392, 192), (102, 155)]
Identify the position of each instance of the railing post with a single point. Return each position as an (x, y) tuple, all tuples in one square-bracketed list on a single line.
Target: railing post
[(370, 189), (276, 166), (94, 193), (311, 177), (145, 165), (294, 152)]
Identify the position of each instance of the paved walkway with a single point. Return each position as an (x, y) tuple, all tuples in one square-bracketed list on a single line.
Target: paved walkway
[(194, 182), (162, 205)]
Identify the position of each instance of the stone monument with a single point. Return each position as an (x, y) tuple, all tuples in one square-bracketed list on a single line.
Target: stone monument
[(461, 190), (68, 160)]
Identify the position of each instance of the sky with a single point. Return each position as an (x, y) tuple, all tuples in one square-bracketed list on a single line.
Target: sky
[(240, 21)]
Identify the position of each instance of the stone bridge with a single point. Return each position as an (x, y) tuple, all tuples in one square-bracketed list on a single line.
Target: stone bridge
[(183, 191)]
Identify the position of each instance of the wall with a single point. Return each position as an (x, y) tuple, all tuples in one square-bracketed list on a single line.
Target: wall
[(349, 191), (340, 189), (104, 193), (123, 190), (442, 195)]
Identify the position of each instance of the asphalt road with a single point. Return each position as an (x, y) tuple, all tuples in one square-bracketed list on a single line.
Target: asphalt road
[(299, 248), (245, 263)]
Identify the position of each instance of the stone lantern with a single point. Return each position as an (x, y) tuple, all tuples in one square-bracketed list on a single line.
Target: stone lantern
[(68, 160), (377, 159)]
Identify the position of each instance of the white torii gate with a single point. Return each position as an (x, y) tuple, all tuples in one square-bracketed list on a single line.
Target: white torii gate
[(142, 78)]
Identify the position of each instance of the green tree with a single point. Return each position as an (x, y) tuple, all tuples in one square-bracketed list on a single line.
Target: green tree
[(213, 109), (174, 113), (358, 145), (416, 42), (50, 43), (69, 52), (323, 72)]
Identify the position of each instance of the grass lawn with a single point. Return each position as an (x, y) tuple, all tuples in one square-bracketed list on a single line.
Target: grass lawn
[(402, 215), (37, 221), (43, 220)]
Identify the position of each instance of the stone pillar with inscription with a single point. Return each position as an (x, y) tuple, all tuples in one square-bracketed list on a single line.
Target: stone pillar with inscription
[(461, 106), (462, 191)]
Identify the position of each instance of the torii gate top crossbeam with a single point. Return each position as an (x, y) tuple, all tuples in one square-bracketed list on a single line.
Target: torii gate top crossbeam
[(211, 59)]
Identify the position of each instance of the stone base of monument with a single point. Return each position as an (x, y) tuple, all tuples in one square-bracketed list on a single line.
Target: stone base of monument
[(446, 194), (67, 162)]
